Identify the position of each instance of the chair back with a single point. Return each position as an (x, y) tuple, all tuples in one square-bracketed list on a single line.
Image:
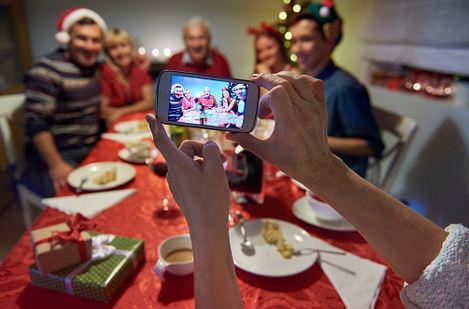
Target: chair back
[(9, 106), (399, 131)]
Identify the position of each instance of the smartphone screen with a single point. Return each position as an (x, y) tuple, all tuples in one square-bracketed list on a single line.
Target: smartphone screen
[(209, 102)]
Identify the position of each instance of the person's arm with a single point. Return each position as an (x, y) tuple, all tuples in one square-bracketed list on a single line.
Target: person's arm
[(42, 89), (350, 146), (111, 114), (362, 137), (58, 168), (230, 107), (408, 241), (207, 214)]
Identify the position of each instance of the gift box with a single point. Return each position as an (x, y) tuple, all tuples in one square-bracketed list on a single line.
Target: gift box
[(114, 260), (62, 245)]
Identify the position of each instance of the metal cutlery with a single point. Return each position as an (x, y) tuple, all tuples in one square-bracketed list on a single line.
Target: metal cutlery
[(246, 245), (84, 179), (306, 251)]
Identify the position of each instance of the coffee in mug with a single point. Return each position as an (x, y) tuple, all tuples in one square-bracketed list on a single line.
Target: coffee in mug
[(179, 255)]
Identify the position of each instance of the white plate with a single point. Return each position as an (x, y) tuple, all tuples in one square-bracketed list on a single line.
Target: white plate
[(124, 173), (131, 127), (303, 211), (124, 154), (299, 184), (267, 261)]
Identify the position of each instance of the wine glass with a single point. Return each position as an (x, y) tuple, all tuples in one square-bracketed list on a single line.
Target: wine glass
[(166, 210)]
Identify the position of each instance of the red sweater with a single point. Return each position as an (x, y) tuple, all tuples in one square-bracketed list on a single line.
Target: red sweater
[(219, 66), (112, 88)]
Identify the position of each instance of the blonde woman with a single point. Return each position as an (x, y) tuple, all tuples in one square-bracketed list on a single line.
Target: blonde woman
[(125, 87)]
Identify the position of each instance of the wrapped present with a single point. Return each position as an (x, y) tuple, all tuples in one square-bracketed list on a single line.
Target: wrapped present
[(62, 245), (114, 259)]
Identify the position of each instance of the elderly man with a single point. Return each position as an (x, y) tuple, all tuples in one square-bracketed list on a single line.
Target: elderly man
[(352, 129), (207, 100), (62, 102), (199, 57)]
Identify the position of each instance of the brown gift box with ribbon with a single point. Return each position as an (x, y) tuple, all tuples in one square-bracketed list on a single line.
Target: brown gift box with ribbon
[(62, 245)]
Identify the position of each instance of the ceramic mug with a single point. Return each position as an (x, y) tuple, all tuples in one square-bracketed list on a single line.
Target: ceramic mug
[(175, 256)]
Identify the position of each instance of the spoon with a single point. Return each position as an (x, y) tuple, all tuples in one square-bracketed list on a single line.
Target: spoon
[(246, 245), (84, 179)]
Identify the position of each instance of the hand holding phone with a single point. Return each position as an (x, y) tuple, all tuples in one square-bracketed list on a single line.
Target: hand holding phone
[(202, 101)]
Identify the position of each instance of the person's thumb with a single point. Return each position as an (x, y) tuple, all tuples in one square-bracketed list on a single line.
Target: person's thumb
[(212, 156), (248, 142)]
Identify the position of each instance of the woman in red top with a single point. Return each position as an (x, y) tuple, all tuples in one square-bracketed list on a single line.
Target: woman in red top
[(125, 87)]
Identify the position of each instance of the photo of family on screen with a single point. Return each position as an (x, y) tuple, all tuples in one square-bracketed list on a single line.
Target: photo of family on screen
[(207, 102)]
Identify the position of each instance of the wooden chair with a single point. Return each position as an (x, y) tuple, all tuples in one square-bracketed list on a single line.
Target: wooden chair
[(398, 132), (9, 104)]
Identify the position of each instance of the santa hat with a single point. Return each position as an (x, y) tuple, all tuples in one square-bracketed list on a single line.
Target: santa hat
[(70, 17)]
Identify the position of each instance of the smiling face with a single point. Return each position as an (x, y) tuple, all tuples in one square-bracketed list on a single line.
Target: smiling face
[(240, 91), (268, 51), (86, 42), (177, 90), (225, 93), (121, 53), (207, 93), (309, 45), (197, 40)]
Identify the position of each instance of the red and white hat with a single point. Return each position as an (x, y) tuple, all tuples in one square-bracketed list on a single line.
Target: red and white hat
[(70, 17)]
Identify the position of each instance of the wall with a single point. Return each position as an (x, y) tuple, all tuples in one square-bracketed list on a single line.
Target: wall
[(348, 53)]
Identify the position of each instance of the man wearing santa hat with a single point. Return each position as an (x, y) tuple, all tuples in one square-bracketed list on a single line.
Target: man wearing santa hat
[(62, 102), (352, 129)]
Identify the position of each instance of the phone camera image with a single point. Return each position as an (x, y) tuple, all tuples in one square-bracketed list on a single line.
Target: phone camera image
[(207, 102)]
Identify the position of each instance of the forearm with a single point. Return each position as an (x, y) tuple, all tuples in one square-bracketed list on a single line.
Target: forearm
[(44, 142), (349, 146), (408, 241), (216, 285)]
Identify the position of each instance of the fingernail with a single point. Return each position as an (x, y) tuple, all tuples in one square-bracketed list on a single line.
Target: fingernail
[(255, 75)]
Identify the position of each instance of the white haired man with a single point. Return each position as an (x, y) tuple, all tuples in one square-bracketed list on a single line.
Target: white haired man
[(198, 56)]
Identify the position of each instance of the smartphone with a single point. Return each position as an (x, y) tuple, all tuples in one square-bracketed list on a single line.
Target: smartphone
[(209, 102)]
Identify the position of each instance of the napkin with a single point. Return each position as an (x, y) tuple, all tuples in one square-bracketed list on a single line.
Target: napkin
[(356, 280), (127, 138), (90, 204)]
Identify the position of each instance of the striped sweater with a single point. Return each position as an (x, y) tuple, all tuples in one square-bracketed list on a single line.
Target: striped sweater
[(63, 98)]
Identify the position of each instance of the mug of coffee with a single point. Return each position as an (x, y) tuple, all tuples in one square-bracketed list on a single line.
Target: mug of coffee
[(175, 256)]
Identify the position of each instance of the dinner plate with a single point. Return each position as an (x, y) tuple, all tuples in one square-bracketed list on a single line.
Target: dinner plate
[(266, 260), (303, 211), (132, 126), (124, 173), (299, 184), (124, 154)]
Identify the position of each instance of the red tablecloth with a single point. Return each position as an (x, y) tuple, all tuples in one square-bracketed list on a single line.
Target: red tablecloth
[(135, 217)]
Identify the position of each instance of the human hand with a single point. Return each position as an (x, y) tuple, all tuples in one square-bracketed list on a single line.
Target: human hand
[(200, 187), (143, 62), (298, 144), (59, 173), (112, 115)]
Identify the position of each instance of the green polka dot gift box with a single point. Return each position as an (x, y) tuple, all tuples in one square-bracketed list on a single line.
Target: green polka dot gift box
[(114, 259)]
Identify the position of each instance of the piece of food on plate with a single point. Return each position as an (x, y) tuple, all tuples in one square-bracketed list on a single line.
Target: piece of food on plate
[(273, 235), (106, 177)]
